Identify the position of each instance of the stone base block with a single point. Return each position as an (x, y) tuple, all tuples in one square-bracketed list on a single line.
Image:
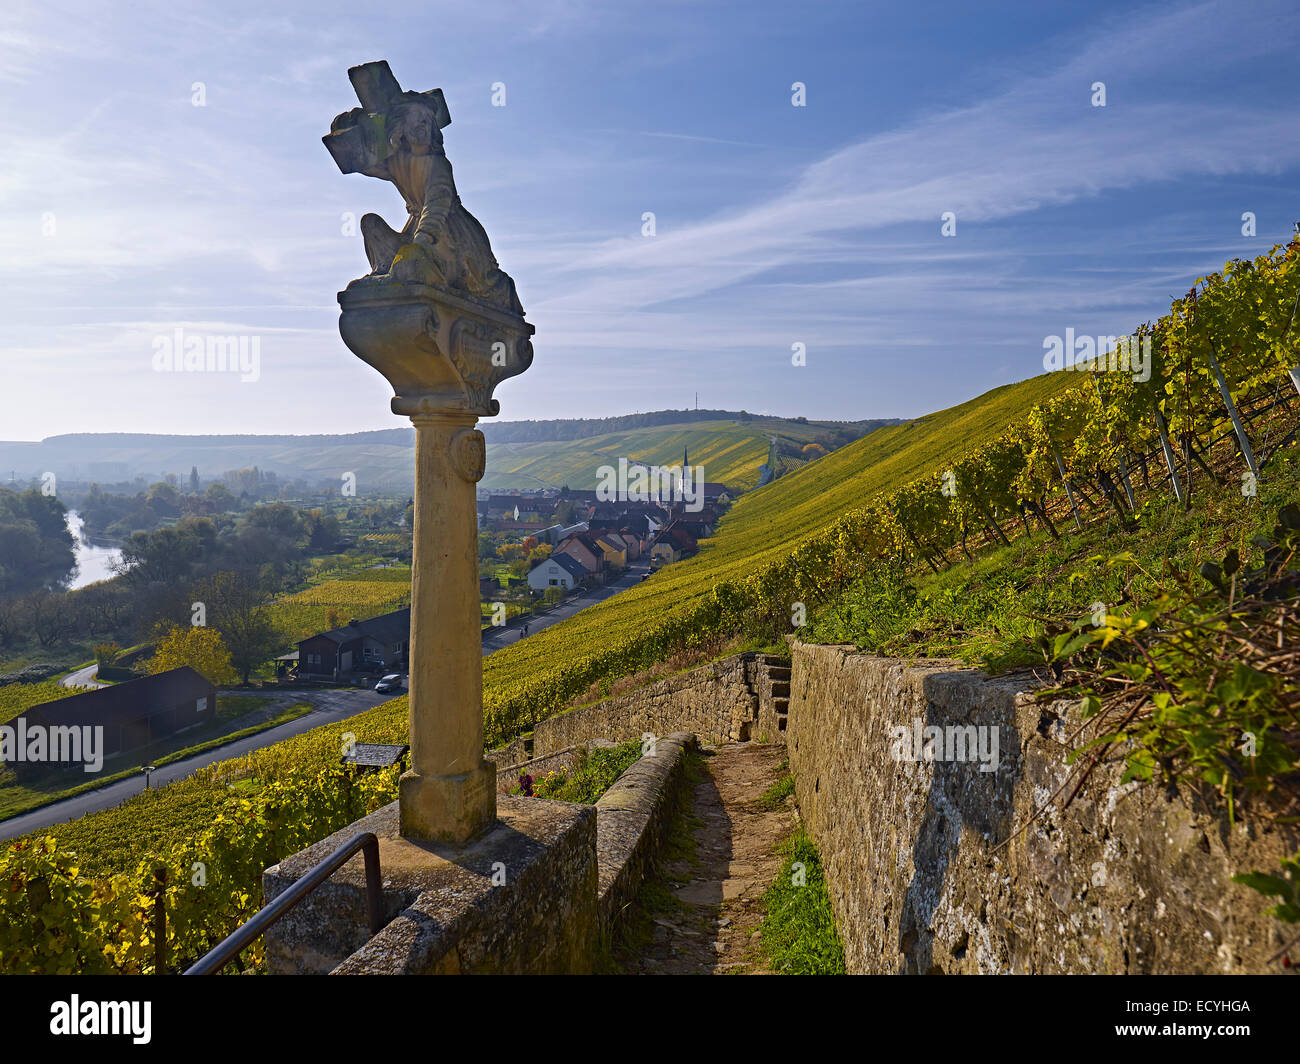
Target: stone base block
[(520, 898), (448, 808)]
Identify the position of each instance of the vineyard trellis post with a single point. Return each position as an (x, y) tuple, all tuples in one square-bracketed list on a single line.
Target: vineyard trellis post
[(1123, 479), (160, 921), (1242, 439), (1162, 427), (1069, 491)]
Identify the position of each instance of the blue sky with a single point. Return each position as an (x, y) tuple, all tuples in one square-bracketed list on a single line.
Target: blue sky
[(125, 211)]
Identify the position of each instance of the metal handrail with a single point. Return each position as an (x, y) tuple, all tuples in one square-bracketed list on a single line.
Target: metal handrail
[(234, 944)]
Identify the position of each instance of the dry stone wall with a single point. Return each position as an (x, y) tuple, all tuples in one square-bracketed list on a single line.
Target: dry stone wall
[(718, 702), (941, 866), (632, 821)]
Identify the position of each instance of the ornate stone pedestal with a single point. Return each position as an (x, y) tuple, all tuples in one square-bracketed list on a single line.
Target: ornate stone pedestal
[(443, 354)]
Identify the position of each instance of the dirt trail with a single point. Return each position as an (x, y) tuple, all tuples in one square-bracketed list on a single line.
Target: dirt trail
[(713, 928)]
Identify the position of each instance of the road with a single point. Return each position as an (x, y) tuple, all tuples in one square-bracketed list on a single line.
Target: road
[(331, 705), (82, 678), (513, 632)]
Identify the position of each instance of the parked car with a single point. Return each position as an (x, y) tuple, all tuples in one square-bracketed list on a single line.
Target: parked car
[(387, 684)]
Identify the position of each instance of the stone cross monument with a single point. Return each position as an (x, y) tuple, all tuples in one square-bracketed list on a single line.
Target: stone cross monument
[(441, 321)]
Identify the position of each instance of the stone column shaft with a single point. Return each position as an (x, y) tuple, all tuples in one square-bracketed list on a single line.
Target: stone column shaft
[(449, 793)]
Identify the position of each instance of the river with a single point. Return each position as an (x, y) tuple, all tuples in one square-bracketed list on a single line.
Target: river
[(93, 563)]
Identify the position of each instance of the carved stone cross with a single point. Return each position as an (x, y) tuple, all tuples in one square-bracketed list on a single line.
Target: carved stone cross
[(442, 322)]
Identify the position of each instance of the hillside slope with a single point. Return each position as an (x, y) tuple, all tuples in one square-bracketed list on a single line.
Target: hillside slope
[(731, 450), (770, 522), (545, 669)]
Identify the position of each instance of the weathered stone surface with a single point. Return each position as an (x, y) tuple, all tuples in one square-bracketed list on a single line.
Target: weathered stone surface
[(396, 136), (929, 869), (517, 751), (632, 818), (771, 677), (718, 702), (442, 322), (520, 898)]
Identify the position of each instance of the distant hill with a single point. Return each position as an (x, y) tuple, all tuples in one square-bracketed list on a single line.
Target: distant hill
[(731, 445)]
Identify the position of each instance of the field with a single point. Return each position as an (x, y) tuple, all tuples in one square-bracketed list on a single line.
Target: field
[(15, 698), (729, 451), (360, 595)]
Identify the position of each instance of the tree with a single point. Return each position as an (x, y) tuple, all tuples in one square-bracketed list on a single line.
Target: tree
[(107, 653), (202, 649), (164, 499), (102, 608), (194, 479), (10, 620), (239, 608), (322, 530), (50, 616), (36, 548), (220, 496)]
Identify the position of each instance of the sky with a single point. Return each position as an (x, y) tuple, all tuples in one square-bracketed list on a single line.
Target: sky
[(163, 169)]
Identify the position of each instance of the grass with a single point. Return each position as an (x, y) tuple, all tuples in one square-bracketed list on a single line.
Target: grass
[(594, 774), (798, 932), (774, 797), (990, 611)]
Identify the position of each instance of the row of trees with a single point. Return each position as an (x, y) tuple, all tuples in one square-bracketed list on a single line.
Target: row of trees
[(234, 566), (36, 548)]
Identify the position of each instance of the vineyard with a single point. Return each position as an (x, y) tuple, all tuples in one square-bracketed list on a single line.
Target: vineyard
[(55, 919), (15, 698), (1028, 462), (1218, 363), (333, 603), (730, 453)]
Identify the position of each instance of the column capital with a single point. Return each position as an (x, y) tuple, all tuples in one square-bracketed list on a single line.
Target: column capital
[(443, 354)]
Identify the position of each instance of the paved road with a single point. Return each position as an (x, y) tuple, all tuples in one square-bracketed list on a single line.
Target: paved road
[(331, 705), (514, 631), (82, 678)]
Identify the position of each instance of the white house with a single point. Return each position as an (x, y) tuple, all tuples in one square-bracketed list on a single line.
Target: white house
[(559, 570)]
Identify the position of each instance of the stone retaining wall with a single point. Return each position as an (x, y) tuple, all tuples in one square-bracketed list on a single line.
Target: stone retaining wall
[(569, 872), (520, 899), (941, 867), (717, 702), (632, 819)]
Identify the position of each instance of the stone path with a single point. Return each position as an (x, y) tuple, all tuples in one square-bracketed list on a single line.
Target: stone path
[(708, 923)]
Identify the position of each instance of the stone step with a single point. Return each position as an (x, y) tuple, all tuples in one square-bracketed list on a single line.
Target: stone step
[(778, 672), (781, 689), (781, 723), (774, 660), (781, 705)]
